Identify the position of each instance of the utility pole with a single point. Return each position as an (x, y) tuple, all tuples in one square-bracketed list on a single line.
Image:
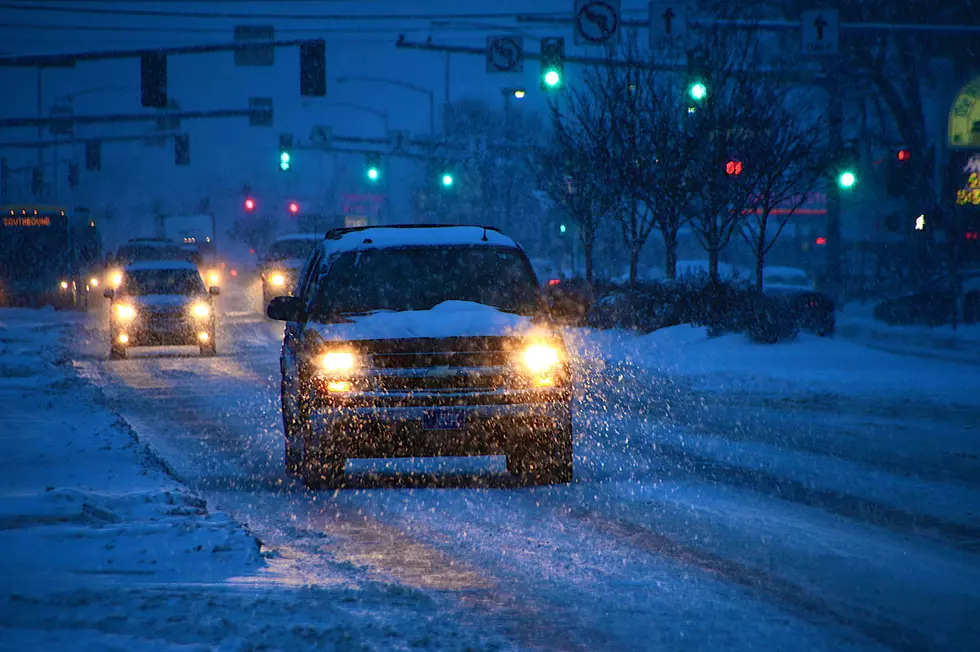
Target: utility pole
[(835, 143)]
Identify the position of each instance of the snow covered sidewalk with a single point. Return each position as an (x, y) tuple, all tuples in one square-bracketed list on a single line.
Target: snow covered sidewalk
[(103, 549)]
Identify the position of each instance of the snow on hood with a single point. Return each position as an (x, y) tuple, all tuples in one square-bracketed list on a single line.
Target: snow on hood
[(447, 319), (163, 300)]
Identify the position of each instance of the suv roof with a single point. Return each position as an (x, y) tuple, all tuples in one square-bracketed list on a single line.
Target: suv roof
[(401, 235)]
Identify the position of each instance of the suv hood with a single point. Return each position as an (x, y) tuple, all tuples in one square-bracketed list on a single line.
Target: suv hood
[(448, 319)]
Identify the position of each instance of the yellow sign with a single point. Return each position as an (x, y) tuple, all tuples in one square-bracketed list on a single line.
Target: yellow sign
[(24, 220), (964, 117)]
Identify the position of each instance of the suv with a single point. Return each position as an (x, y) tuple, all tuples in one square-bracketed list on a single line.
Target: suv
[(161, 303), (410, 341), (283, 261)]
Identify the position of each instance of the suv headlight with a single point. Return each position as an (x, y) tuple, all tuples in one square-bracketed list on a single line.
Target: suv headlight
[(125, 312), (200, 310), (540, 358), (334, 362)]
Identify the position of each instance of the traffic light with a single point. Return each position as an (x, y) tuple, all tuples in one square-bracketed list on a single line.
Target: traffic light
[(562, 229), (285, 152), (249, 204), (447, 179), (182, 149), (293, 207), (93, 155), (898, 175), (733, 168), (373, 169), (553, 63), (697, 81), (313, 68), (153, 77), (847, 168), (72, 175)]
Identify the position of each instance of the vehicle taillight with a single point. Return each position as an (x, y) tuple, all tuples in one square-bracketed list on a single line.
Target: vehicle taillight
[(554, 281)]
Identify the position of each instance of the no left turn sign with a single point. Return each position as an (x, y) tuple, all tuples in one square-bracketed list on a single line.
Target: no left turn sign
[(596, 22)]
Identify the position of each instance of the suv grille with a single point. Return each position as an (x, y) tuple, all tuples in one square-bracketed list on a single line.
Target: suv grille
[(426, 360)]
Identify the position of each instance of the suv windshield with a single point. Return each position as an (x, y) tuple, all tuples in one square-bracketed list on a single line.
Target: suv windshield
[(290, 249), (420, 278), (163, 281)]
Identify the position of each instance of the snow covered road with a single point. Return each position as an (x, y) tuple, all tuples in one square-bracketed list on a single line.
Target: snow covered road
[(720, 502)]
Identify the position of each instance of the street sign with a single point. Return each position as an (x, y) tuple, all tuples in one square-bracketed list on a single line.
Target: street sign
[(505, 53), (261, 108), (668, 23), (596, 22), (821, 31), (321, 136), (258, 55)]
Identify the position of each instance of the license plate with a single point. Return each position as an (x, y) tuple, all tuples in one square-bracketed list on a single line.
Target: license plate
[(443, 420)]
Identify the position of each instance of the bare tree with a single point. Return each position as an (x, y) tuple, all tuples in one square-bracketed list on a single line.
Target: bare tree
[(781, 165)]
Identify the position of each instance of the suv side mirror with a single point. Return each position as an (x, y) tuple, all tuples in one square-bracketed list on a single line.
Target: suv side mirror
[(286, 309), (109, 293), (214, 290)]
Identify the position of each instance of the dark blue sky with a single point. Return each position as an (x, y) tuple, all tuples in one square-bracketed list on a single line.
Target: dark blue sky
[(227, 153)]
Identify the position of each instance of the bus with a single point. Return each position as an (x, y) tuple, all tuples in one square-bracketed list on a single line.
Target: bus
[(49, 255)]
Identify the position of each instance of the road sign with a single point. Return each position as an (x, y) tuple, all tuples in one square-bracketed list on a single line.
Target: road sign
[(256, 55), (505, 53), (261, 108), (596, 22), (668, 23), (321, 136), (821, 31)]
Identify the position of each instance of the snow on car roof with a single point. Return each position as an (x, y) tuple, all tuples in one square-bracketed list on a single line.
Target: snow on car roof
[(148, 265), (299, 236), (382, 237)]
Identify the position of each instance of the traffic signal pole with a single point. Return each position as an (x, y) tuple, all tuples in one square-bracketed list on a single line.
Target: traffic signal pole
[(835, 144)]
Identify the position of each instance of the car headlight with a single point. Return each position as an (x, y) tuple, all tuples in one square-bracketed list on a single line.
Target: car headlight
[(278, 280), (94, 282), (214, 278), (540, 358), (116, 279), (337, 361), (124, 311), (64, 285), (200, 310)]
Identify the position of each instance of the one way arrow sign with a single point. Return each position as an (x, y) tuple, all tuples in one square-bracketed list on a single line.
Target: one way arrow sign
[(821, 31), (668, 24)]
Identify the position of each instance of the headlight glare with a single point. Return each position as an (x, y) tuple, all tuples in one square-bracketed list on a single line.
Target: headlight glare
[(116, 279), (278, 280), (200, 310), (214, 278), (540, 358), (335, 361), (124, 311)]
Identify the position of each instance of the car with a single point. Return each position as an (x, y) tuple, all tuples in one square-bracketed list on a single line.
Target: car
[(416, 341), (812, 310), (283, 261), (161, 303)]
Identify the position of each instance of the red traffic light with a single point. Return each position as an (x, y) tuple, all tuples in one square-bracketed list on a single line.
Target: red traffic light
[(733, 167), (293, 207), (250, 204), (904, 155), (821, 241)]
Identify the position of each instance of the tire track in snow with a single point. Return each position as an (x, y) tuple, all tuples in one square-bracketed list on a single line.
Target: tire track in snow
[(780, 592)]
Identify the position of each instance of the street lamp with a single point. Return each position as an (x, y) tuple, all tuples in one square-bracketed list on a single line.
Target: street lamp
[(395, 82)]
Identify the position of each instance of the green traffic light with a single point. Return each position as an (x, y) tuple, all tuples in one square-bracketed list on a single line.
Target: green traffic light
[(373, 174), (447, 180), (284, 160), (562, 228), (552, 78), (698, 91), (846, 179)]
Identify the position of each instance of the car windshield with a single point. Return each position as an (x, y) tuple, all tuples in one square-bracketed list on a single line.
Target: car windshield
[(420, 278), (163, 281), (138, 252), (290, 249)]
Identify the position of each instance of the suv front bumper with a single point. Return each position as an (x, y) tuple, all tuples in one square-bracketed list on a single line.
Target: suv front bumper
[(493, 423)]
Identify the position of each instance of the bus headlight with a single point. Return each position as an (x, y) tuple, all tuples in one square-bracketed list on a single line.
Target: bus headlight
[(200, 310), (125, 312)]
